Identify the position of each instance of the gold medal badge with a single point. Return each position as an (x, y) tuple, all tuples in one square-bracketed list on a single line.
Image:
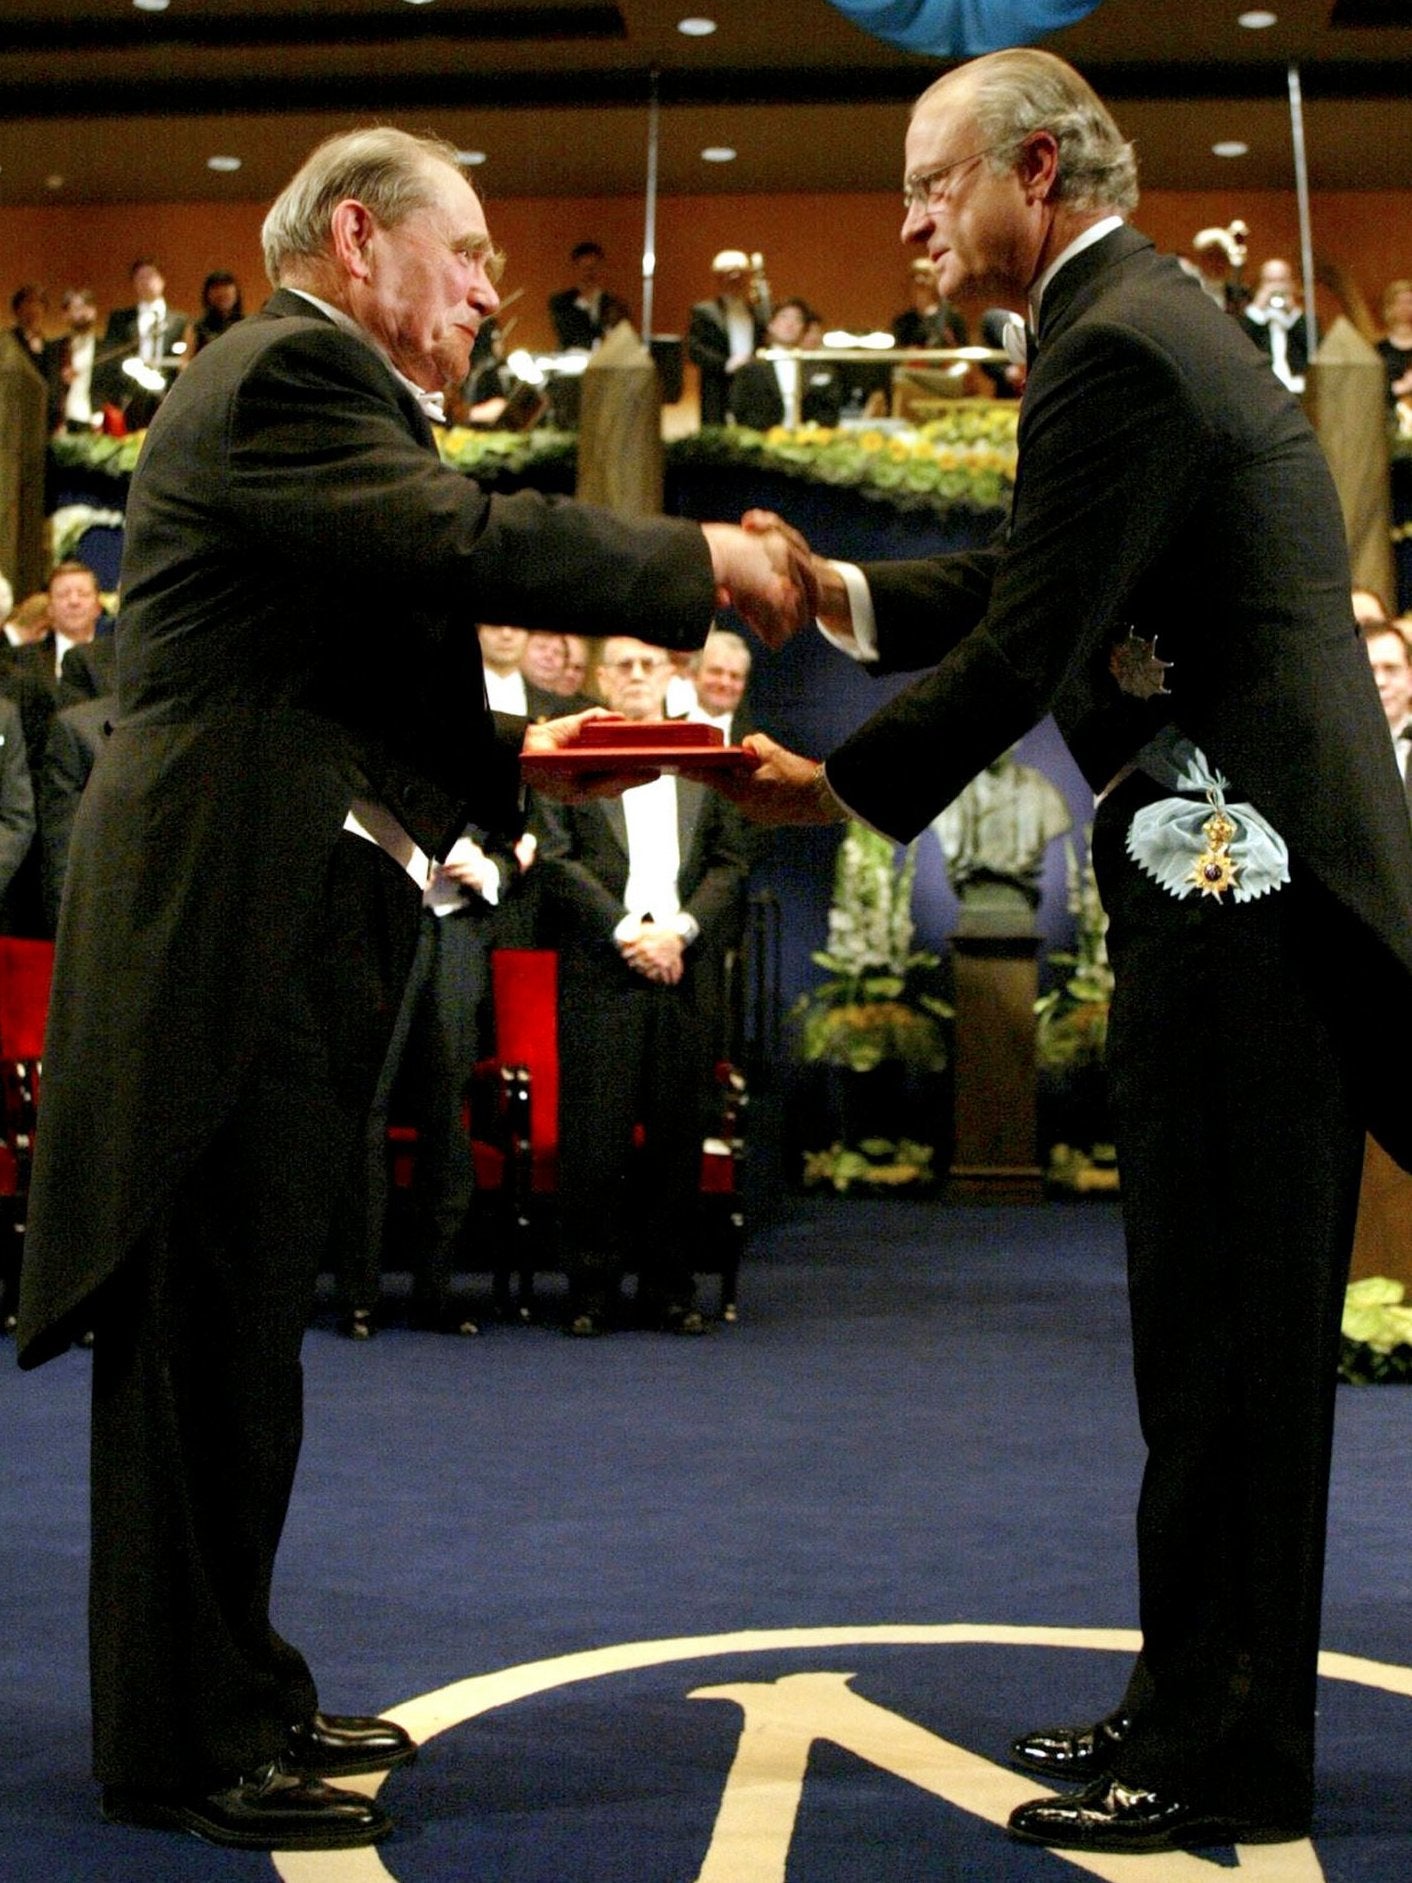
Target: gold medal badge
[(1215, 870)]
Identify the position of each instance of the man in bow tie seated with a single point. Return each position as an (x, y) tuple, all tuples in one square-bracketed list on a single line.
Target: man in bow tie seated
[(240, 910), (1173, 586), (642, 896)]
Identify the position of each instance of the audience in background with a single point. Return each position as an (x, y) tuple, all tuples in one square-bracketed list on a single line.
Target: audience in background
[(1275, 322), (221, 308), (930, 321), (642, 897), (69, 363), (786, 391), (1390, 653), (723, 333), (30, 305), (1396, 345), (722, 673), (585, 312)]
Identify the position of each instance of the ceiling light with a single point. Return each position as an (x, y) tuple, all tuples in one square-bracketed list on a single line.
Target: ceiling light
[(470, 156), (416, 3), (223, 163), (151, 6), (1229, 147), (718, 153), (1257, 19), (695, 27), (54, 182)]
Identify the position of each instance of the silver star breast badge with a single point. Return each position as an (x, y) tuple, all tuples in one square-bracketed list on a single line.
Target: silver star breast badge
[(1134, 664)]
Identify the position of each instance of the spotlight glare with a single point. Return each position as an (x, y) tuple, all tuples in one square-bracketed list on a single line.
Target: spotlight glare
[(1257, 19), (226, 164), (470, 156), (696, 27), (1230, 147), (718, 153)]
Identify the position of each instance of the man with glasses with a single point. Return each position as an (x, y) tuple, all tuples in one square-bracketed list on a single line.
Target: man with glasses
[(642, 897), (1173, 585), (239, 916)]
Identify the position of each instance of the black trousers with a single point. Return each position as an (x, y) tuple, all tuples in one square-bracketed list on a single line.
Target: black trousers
[(197, 1397), (1240, 1144), (632, 1052)]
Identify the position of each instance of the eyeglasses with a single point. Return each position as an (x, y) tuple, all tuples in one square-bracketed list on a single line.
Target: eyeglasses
[(929, 188), (636, 663)]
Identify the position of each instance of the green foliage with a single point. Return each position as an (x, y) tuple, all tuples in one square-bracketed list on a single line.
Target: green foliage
[(877, 1164), (878, 1005), (1071, 1028), (1376, 1347)]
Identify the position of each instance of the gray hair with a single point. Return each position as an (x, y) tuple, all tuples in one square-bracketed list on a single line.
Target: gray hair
[(727, 637), (1023, 90), (385, 169)]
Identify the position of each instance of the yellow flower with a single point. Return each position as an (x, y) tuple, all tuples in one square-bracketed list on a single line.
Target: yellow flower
[(871, 441)]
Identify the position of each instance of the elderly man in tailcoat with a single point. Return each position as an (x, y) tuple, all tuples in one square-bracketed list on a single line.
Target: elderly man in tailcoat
[(1173, 586), (238, 919)]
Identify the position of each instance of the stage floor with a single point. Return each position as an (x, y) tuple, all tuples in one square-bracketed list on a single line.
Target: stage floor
[(761, 1608)]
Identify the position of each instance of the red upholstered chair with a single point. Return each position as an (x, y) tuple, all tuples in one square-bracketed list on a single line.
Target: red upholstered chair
[(26, 968), (516, 1146)]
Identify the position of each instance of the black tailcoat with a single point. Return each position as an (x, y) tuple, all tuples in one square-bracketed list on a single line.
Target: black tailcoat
[(1167, 484), (301, 582)]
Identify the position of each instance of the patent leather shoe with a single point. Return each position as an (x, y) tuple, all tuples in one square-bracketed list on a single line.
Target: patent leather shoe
[(341, 1745), (271, 1808), (1127, 1819), (1071, 1754)]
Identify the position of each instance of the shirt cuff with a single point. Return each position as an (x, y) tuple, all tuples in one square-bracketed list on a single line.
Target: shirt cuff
[(862, 642)]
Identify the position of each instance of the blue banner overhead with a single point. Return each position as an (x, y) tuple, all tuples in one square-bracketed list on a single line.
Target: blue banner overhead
[(956, 28)]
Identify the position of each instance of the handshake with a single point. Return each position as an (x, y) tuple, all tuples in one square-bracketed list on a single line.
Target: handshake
[(766, 571)]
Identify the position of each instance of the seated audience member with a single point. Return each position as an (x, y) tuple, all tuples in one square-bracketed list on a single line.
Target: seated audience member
[(930, 321), (506, 686), (17, 822), (641, 896), (1274, 320), (778, 392), (30, 306), (723, 333), (75, 738), (88, 671), (1390, 652), (681, 686), (69, 362), (75, 616), (1369, 608), (221, 308), (722, 671), (25, 680), (1396, 345), (542, 662), (574, 677), (585, 312)]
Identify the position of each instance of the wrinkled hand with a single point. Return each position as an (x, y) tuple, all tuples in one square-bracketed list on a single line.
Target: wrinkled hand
[(656, 952), (553, 735), (831, 601), (783, 789), (766, 577)]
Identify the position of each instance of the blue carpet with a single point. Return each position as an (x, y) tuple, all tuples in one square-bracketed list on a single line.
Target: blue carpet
[(924, 1417)]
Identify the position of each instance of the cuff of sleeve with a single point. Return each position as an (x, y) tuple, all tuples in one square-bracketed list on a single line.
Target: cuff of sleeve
[(862, 642), (686, 926), (627, 929)]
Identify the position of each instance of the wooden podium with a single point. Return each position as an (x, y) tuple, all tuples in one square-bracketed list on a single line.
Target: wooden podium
[(996, 981)]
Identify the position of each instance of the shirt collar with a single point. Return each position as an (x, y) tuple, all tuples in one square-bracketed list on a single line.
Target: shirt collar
[(430, 402), (1094, 233)]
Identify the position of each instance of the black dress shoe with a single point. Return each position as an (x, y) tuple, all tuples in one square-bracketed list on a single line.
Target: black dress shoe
[(1072, 1754), (680, 1320), (340, 1745), (1111, 1816), (269, 1809)]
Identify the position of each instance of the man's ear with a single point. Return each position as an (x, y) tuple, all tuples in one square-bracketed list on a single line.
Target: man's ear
[(1038, 165), (351, 229)]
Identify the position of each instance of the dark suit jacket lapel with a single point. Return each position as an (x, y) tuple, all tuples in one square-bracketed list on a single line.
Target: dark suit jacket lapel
[(283, 302), (690, 797), (616, 819)]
